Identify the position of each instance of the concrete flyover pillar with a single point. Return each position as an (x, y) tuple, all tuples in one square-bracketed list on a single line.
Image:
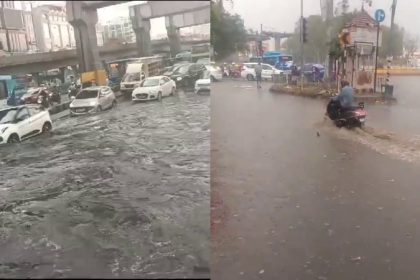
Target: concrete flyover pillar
[(141, 28), (83, 21), (173, 36), (277, 43)]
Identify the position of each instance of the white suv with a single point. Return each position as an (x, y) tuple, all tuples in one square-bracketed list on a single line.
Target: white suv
[(248, 71), (22, 122)]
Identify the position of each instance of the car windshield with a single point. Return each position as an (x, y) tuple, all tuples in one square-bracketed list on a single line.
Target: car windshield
[(182, 69), (151, 83), (86, 94), (131, 77), (7, 116)]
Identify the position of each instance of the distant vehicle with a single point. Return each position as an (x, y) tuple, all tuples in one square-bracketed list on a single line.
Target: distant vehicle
[(154, 88), (205, 61), (137, 71), (33, 95), (248, 71), (215, 72), (313, 72), (170, 69), (203, 84), (15, 98), (278, 60), (186, 75), (93, 99), (183, 56), (200, 51), (22, 122)]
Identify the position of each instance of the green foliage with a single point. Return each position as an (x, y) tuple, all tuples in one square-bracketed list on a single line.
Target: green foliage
[(320, 44), (392, 44), (228, 33)]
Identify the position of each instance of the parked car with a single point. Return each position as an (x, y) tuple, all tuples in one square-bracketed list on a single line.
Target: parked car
[(215, 72), (92, 99), (22, 122), (186, 75), (154, 88), (248, 71), (204, 83)]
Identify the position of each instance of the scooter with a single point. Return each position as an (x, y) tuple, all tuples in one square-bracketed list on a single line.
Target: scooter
[(349, 118)]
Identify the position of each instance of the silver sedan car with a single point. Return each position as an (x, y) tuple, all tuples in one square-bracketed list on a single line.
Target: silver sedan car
[(92, 99)]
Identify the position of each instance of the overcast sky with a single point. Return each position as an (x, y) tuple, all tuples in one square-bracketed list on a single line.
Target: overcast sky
[(281, 15)]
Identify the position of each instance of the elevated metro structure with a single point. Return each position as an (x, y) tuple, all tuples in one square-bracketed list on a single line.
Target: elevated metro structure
[(82, 15), (38, 62)]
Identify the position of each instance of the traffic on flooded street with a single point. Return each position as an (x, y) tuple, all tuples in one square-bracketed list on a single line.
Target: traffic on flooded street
[(124, 192)]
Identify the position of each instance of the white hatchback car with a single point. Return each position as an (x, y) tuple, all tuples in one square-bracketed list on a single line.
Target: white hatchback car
[(248, 71), (203, 84), (215, 72), (22, 122), (154, 88)]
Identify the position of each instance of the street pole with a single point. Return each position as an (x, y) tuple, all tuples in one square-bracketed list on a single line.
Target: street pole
[(261, 51), (301, 45), (376, 59)]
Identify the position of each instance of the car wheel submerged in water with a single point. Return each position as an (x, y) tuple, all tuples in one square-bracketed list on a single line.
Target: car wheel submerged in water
[(249, 77), (46, 127), (14, 138), (159, 97)]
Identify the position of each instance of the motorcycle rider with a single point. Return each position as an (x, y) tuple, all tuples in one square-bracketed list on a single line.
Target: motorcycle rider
[(346, 96)]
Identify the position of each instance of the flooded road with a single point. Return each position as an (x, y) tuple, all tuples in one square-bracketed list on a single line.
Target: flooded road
[(289, 204), (402, 117), (121, 194)]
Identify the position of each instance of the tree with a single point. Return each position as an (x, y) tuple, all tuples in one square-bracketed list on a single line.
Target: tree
[(392, 42), (315, 50), (228, 33), (411, 45)]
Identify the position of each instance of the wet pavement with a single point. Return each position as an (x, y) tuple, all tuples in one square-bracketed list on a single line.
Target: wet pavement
[(289, 204), (124, 193)]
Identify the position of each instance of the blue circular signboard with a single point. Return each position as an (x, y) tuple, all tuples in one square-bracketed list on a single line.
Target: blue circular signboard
[(380, 15)]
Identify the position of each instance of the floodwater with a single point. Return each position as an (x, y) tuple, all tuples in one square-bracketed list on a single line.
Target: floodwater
[(121, 194), (294, 197)]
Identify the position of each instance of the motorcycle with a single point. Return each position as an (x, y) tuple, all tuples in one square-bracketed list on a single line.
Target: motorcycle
[(43, 101), (72, 91), (349, 118), (54, 96)]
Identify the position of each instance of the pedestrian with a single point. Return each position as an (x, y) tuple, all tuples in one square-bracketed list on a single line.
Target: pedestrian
[(258, 71)]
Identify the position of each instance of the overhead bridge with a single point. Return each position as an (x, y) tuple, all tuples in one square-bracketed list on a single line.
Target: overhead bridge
[(33, 63)]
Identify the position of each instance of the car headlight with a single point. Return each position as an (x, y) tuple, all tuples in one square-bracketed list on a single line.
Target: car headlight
[(4, 129), (179, 78), (93, 103), (153, 91)]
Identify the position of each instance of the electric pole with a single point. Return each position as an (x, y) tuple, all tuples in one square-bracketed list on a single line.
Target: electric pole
[(301, 45)]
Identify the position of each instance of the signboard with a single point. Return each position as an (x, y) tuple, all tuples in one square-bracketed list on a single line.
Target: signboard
[(380, 15), (365, 35)]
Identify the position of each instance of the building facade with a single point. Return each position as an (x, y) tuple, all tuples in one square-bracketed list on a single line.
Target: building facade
[(120, 29), (52, 31), (13, 33)]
